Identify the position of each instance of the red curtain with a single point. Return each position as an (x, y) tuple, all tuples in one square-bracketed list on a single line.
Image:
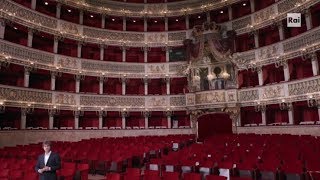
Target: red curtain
[(268, 35), (134, 87), (197, 19), (238, 10), (89, 84), (244, 42), (156, 55), (26, 3), (303, 113), (135, 24), (182, 117), (271, 74), (275, 115), (69, 14), (64, 119), (177, 85), (176, 23), (134, 55), (212, 124), (40, 79), (250, 116), (157, 119), (262, 4), (300, 69), (113, 53), (89, 119), (68, 47), (48, 9), (155, 24), (66, 83), (112, 86), (113, 119), (90, 51), (114, 23), (135, 119), (39, 118), (247, 78), (153, 87), (315, 11), (92, 19), (10, 118), (12, 76), (43, 41), (219, 15), (17, 34)]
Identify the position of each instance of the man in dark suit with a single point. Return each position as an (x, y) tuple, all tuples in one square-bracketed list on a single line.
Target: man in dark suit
[(48, 163)]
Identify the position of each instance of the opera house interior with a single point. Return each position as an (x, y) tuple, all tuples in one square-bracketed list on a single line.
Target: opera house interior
[(160, 89)]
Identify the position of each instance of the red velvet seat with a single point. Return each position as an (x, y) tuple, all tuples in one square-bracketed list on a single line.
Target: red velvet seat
[(171, 176), (214, 177), (192, 176), (84, 171), (113, 176)]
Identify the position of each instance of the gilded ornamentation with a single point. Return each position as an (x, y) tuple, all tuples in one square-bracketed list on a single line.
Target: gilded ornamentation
[(62, 98), (67, 62), (68, 27), (190, 99), (155, 68), (272, 92), (156, 37), (304, 87), (177, 101), (157, 102), (210, 97), (111, 101), (248, 95), (264, 14), (177, 36), (22, 95)]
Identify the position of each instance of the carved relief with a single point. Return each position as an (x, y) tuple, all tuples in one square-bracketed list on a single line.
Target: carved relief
[(248, 95), (190, 99), (68, 28), (178, 101), (210, 97), (156, 37), (155, 8), (67, 62), (304, 87), (67, 99), (264, 14), (272, 92), (157, 102), (112, 101), (268, 52), (156, 68), (22, 95)]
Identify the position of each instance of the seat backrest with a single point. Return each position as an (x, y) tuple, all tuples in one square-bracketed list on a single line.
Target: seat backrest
[(113, 176), (191, 176), (171, 176), (214, 177), (30, 176), (133, 171)]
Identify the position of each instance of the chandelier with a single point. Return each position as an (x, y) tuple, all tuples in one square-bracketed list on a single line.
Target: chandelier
[(54, 110), (260, 107), (2, 107), (78, 112), (284, 105), (225, 75), (313, 101)]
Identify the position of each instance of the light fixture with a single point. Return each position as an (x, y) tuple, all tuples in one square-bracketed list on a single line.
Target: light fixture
[(221, 12), (177, 20), (244, 4), (211, 77), (91, 16), (2, 107), (46, 3), (199, 17), (15, 28), (134, 21), (283, 105), (260, 107), (113, 19), (225, 75), (155, 21)]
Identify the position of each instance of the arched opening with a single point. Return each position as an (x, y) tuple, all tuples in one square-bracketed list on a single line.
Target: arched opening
[(211, 124)]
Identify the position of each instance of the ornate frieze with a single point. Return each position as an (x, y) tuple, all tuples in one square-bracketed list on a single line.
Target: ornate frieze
[(248, 95), (304, 87), (177, 36), (64, 99), (112, 101), (157, 68), (178, 101), (16, 94), (274, 91), (210, 97), (157, 101), (118, 36), (284, 6), (265, 14), (241, 23), (117, 68)]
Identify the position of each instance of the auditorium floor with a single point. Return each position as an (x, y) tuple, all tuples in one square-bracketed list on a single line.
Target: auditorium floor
[(96, 177)]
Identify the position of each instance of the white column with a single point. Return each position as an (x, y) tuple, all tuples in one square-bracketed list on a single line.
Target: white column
[(230, 13), (187, 22), (308, 19), (290, 114), (33, 4), (58, 11), (169, 121), (26, 76), (123, 86), (146, 120), (81, 17), (145, 26), (101, 52), (100, 121), (2, 28), (145, 86), (55, 44), (79, 49), (103, 21), (23, 121), (30, 37), (76, 122), (101, 79), (124, 23), (78, 78), (166, 24), (124, 54), (123, 122), (281, 32), (315, 64), (264, 118), (256, 39), (319, 112), (168, 85), (51, 121), (167, 55), (252, 6), (260, 76), (53, 81), (145, 55), (286, 71)]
